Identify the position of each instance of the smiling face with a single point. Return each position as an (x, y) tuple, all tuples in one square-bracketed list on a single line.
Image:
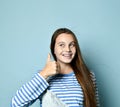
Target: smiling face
[(65, 48)]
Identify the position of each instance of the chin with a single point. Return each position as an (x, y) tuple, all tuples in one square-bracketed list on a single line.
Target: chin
[(67, 61)]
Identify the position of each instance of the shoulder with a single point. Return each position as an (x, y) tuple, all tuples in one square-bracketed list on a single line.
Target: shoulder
[(93, 77), (92, 74)]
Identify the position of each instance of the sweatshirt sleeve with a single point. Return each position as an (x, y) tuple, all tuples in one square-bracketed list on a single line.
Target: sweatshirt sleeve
[(30, 91), (96, 88)]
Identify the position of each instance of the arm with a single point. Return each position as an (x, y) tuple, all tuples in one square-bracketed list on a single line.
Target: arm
[(30, 92), (96, 88)]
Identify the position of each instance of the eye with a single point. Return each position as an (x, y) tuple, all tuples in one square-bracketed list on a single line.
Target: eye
[(62, 45), (72, 45)]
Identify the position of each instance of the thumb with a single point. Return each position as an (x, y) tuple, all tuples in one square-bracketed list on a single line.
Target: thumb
[(49, 58)]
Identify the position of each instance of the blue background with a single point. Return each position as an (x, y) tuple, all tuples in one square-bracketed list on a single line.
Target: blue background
[(26, 27)]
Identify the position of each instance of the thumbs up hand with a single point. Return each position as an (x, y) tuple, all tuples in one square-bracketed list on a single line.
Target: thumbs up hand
[(51, 68)]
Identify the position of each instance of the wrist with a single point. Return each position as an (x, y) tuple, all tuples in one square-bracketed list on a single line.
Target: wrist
[(43, 74)]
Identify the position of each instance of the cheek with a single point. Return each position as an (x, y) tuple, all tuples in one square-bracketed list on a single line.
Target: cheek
[(56, 51), (74, 50)]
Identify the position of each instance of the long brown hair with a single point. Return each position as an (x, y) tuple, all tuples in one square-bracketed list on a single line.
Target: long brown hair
[(82, 73)]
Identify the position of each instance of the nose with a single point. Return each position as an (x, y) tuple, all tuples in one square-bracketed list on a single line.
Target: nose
[(67, 48)]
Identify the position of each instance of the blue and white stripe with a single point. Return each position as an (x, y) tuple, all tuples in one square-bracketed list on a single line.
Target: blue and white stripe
[(67, 89), (30, 91), (65, 86)]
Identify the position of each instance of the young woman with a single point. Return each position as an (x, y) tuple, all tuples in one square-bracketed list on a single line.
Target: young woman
[(64, 82)]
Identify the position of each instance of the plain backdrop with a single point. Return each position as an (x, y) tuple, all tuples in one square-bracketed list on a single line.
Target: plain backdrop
[(26, 27)]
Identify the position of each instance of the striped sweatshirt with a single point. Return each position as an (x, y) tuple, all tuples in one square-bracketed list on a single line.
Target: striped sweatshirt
[(65, 86)]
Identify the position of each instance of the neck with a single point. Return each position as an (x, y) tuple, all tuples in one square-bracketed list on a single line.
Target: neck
[(65, 68)]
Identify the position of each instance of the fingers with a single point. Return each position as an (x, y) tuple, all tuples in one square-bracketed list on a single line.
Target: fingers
[(52, 65)]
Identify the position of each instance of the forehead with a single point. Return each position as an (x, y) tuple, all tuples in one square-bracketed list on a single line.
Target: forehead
[(65, 37)]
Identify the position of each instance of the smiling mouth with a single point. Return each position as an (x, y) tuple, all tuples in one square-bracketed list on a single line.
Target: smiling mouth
[(67, 55)]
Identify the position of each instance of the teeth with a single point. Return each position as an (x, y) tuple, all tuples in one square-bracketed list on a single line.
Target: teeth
[(67, 55)]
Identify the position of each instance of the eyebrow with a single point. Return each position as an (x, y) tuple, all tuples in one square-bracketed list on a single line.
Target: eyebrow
[(64, 42), (60, 42)]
